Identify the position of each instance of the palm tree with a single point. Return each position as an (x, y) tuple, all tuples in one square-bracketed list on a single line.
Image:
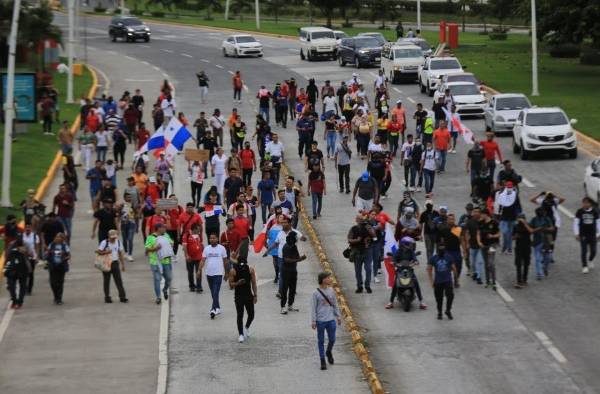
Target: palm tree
[(239, 6)]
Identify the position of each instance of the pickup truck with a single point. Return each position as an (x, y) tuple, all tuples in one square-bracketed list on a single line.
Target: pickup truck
[(431, 72)]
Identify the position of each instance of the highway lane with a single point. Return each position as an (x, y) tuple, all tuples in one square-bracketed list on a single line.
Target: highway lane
[(556, 306)]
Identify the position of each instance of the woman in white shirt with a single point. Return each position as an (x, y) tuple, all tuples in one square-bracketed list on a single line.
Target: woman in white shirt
[(101, 144), (168, 106), (32, 242), (113, 247), (213, 263), (218, 170), (196, 170)]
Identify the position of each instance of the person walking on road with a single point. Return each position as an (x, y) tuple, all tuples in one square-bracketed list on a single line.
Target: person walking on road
[(242, 279), (542, 238), (58, 255), (441, 141), (360, 238), (202, 85), (214, 265), (507, 207), (586, 228), (217, 169), (428, 167), (113, 247), (522, 237), (368, 192), (16, 269), (238, 84), (289, 272), (489, 235), (324, 316), (440, 269), (192, 248), (32, 243), (317, 189), (491, 149), (160, 252), (343, 156)]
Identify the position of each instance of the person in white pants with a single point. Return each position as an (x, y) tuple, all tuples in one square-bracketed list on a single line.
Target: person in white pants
[(218, 164), (86, 147)]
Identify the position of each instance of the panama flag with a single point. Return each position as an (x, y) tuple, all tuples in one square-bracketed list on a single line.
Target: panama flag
[(459, 126), (212, 210), (176, 135), (156, 141), (261, 239), (390, 245)]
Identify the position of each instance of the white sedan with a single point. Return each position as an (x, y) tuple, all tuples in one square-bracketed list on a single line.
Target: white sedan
[(242, 45), (466, 97), (591, 182)]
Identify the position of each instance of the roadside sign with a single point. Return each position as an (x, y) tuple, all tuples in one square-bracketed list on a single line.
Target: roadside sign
[(25, 97)]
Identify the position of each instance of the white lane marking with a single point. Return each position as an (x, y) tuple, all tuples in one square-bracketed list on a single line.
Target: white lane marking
[(145, 46), (504, 294), (230, 72), (245, 87), (411, 100), (292, 49), (219, 66), (144, 62), (566, 212), (549, 345), (112, 52), (166, 50), (156, 68), (163, 31), (6, 321), (129, 57), (163, 348), (186, 55), (138, 80), (204, 60), (527, 182), (397, 90)]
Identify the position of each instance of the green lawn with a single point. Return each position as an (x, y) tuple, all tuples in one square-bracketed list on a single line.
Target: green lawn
[(33, 151)]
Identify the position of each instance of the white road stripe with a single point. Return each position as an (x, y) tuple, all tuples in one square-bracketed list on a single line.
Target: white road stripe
[(138, 80), (504, 294), (156, 68), (397, 90), (144, 62), (219, 66), (163, 348), (566, 212), (549, 345), (411, 100), (129, 57), (245, 87), (230, 72), (204, 60), (145, 46), (186, 55), (6, 321), (292, 49), (166, 50), (163, 31), (527, 182)]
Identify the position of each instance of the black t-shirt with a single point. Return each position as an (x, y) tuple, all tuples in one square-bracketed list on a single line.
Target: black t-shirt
[(264, 101), (137, 101), (426, 220), (233, 186), (107, 220), (360, 231), (587, 221), (366, 189), (314, 157), (505, 176), (376, 169), (486, 229), (50, 229), (108, 193), (290, 251), (452, 242), (420, 117), (476, 156), (472, 228), (522, 237), (483, 187), (209, 144), (416, 154)]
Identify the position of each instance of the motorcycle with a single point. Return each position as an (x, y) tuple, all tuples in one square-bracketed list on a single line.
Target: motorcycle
[(405, 283)]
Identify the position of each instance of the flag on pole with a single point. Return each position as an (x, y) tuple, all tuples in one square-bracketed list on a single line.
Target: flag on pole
[(261, 239), (156, 141), (390, 246), (457, 125)]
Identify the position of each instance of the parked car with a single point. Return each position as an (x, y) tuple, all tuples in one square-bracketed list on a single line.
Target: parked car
[(544, 129), (129, 28), (361, 51), (431, 72), (466, 97), (339, 35), (402, 62), (241, 45), (317, 42), (503, 110), (591, 180), (378, 36)]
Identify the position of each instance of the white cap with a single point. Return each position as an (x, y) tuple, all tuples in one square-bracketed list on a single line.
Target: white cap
[(399, 101), (354, 74)]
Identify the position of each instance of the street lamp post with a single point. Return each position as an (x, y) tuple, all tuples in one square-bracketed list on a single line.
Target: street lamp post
[(419, 14), (70, 55), (534, 58), (257, 7), (9, 114)]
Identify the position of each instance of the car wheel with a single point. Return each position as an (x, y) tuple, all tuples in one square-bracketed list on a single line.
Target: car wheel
[(515, 147), (236, 53), (429, 91), (421, 86), (301, 55), (260, 55), (308, 56), (524, 152), (573, 153), (224, 52), (113, 37), (356, 62), (341, 61), (147, 39)]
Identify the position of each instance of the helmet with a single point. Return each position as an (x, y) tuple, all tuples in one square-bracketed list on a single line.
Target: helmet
[(407, 241)]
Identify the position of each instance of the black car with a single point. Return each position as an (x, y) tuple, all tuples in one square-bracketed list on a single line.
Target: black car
[(361, 51), (129, 28)]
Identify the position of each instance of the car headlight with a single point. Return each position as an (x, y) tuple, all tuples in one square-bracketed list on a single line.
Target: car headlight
[(532, 136), (363, 52), (499, 119), (130, 30), (313, 48), (147, 29), (569, 134)]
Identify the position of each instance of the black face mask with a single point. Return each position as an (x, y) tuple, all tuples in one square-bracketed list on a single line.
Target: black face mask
[(441, 251)]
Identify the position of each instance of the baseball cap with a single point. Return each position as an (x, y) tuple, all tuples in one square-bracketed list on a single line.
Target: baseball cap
[(399, 101), (443, 208), (365, 176)]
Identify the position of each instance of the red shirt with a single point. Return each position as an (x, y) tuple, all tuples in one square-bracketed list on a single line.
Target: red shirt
[(490, 148), (441, 138), (153, 191), (142, 135), (237, 81), (154, 220), (231, 239), (187, 221), (92, 121), (382, 218), (65, 205), (247, 157), (193, 246), (174, 214), (242, 226)]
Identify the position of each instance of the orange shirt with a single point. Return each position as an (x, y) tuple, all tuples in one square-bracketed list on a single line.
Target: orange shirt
[(232, 119), (237, 81), (441, 139), (400, 115), (140, 181)]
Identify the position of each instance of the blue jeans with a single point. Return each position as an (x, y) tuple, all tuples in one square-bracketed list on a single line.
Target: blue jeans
[(128, 230), (264, 111), (365, 258), (414, 172), (101, 153), (476, 259), (491, 166), (67, 222), (330, 327), (377, 248), (331, 136), (442, 159), (164, 270), (317, 203), (506, 229), (540, 259), (214, 284), (429, 179)]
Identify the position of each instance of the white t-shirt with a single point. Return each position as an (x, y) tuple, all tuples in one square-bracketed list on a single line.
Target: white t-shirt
[(407, 148), (197, 174), (330, 103), (379, 81), (373, 147), (166, 247), (429, 157), (274, 149), (281, 238), (114, 247), (101, 138), (219, 163), (216, 122), (30, 242), (168, 107), (214, 256)]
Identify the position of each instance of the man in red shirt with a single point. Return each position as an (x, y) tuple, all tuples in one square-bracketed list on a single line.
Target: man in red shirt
[(192, 247), (230, 239), (142, 135), (242, 225), (441, 143), (490, 150), (173, 224), (153, 191), (188, 219), (64, 206), (160, 217), (248, 159)]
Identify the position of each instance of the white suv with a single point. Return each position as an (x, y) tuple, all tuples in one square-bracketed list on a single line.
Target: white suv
[(402, 62), (317, 42), (544, 129), (431, 72)]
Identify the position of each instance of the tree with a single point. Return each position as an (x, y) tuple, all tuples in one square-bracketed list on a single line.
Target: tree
[(211, 5), (502, 9), (466, 8), (327, 7), (562, 22), (345, 8), (383, 10), (239, 6), (274, 6)]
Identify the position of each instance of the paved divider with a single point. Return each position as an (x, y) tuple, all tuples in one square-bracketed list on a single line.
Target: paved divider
[(358, 345), (54, 166)]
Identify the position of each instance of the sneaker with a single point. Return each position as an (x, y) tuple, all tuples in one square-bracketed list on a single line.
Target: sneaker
[(124, 300), (377, 280), (199, 290), (284, 311), (218, 311), (278, 295), (329, 357), (158, 301), (585, 270), (389, 305), (422, 305), (449, 314), (517, 286), (369, 291), (359, 290), (494, 287), (212, 313), (419, 189), (241, 339), (130, 258), (591, 265), (439, 316), (192, 289), (479, 281), (323, 365), (246, 332), (292, 308), (108, 300)]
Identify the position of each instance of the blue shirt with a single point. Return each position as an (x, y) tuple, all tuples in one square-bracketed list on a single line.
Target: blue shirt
[(96, 180), (266, 188), (272, 237), (539, 222), (304, 127), (442, 267)]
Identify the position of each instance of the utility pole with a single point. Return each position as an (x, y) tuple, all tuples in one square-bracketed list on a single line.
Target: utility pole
[(419, 14), (226, 10), (70, 54), (257, 7), (9, 114), (534, 58)]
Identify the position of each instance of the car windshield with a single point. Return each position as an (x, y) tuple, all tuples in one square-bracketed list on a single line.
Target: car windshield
[(322, 34), (407, 53), (463, 78), (132, 22), (512, 103), (444, 64), (464, 90), (546, 119), (424, 45), (243, 39), (366, 42)]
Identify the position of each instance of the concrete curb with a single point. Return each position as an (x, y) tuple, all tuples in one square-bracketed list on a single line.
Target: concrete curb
[(51, 173), (358, 343)]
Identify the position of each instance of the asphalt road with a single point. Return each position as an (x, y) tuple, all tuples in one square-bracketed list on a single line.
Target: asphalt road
[(495, 344)]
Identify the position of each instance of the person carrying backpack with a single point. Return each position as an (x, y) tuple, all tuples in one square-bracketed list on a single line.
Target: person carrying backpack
[(16, 270), (58, 256)]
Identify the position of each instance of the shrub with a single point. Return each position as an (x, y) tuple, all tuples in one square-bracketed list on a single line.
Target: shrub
[(498, 33), (100, 9), (565, 50), (158, 14), (347, 25), (117, 11), (590, 56)]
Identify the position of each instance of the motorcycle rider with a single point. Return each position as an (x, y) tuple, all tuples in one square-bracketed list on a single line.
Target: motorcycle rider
[(406, 255)]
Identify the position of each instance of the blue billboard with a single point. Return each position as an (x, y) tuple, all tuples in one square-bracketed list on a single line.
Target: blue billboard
[(24, 96)]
